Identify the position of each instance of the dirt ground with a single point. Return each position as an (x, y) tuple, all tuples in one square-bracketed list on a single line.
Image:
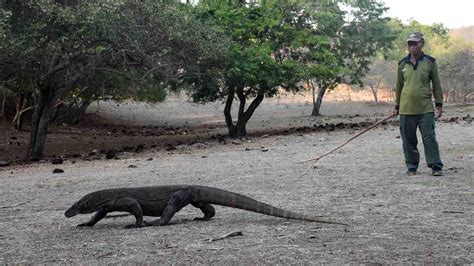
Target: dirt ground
[(393, 218)]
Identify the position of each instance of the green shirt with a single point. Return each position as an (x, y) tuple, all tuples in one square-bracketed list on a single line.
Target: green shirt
[(413, 91)]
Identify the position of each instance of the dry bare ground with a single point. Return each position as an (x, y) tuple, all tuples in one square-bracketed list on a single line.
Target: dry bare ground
[(393, 218)]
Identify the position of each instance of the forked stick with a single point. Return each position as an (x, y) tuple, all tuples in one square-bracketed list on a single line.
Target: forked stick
[(342, 145)]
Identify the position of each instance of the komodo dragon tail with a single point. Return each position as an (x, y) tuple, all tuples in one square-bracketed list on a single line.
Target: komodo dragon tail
[(234, 200)]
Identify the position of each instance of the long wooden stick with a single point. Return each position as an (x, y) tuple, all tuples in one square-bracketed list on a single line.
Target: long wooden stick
[(345, 143)]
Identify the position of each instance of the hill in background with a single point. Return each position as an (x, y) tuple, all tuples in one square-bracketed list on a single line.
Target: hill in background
[(464, 32)]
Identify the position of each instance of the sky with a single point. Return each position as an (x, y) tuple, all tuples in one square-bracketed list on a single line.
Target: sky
[(452, 13)]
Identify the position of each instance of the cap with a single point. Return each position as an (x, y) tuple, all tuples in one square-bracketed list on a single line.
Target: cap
[(415, 37)]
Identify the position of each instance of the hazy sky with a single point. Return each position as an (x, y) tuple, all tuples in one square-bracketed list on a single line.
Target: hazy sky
[(452, 13)]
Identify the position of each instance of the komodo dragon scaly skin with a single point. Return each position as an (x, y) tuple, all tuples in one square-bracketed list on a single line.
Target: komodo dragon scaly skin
[(165, 201)]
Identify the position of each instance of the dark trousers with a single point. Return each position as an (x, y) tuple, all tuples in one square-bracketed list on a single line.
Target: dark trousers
[(408, 127)]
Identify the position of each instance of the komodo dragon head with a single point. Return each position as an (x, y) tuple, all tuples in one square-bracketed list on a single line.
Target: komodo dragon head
[(89, 203)]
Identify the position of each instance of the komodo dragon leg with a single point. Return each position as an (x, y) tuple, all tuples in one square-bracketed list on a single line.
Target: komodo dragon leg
[(99, 215), (123, 204), (206, 208), (132, 206), (179, 200)]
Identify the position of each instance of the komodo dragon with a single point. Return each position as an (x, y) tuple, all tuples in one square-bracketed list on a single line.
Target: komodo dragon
[(165, 201)]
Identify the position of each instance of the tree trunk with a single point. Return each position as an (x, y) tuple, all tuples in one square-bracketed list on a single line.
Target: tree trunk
[(228, 113), (242, 101), (244, 117), (39, 124), (313, 91), (239, 129), (374, 92), (48, 96), (319, 101)]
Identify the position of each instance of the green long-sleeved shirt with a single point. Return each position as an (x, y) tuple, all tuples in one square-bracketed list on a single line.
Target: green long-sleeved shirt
[(413, 91)]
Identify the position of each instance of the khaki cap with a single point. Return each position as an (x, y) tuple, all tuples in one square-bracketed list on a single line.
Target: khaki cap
[(415, 37)]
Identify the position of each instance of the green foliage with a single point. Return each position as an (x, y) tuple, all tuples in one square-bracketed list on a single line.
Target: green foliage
[(151, 92), (273, 45), (4, 18), (365, 34), (115, 46)]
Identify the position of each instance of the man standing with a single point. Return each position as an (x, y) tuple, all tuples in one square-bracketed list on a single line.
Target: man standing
[(414, 103)]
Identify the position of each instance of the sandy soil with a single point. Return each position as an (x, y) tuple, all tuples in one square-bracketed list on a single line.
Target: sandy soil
[(393, 218)]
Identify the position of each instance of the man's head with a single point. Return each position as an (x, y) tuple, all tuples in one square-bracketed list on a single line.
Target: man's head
[(415, 43)]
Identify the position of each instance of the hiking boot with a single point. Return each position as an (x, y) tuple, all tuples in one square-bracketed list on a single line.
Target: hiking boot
[(437, 173), (411, 172)]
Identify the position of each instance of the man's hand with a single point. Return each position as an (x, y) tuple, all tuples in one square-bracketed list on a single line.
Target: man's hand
[(438, 112), (394, 112)]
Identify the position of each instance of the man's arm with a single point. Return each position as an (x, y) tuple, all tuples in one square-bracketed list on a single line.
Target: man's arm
[(437, 91), (398, 89)]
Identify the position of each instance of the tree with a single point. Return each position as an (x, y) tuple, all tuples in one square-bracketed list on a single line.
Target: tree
[(382, 73), (96, 45), (364, 33), (274, 46), (456, 69), (324, 66)]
